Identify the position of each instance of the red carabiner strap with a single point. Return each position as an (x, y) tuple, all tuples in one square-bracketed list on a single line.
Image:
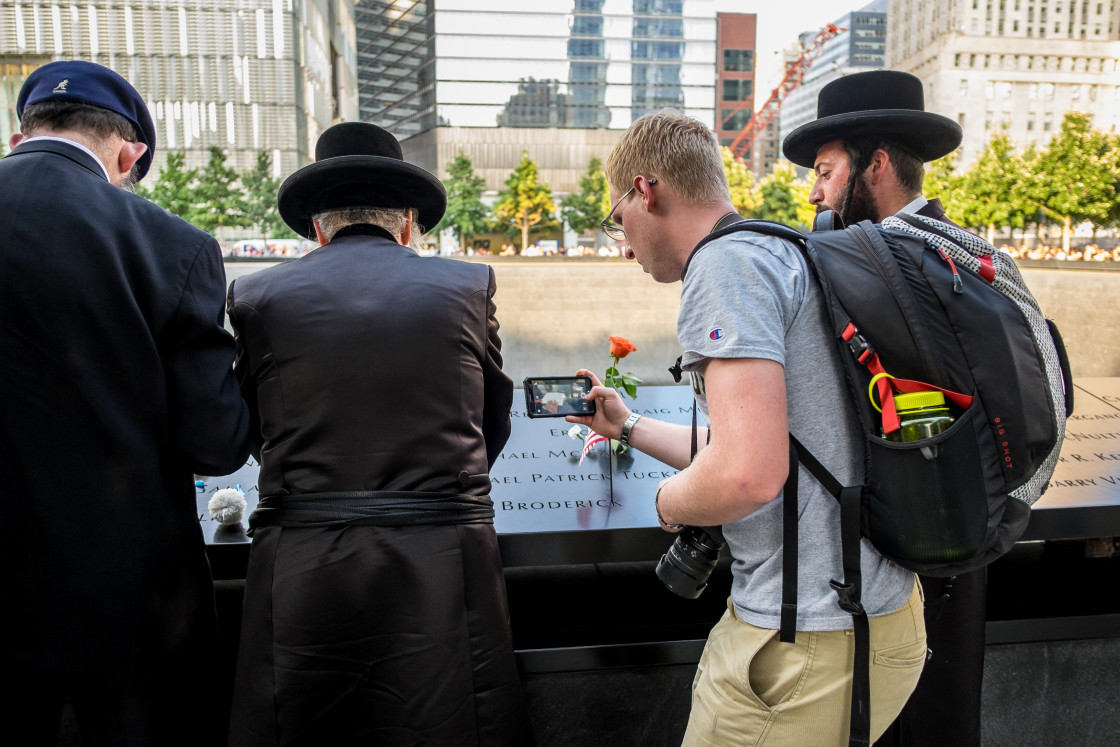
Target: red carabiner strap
[(888, 385)]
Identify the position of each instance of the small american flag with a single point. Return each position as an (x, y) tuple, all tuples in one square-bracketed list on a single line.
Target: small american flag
[(592, 439)]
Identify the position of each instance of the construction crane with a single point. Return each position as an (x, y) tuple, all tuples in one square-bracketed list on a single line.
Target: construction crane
[(795, 73)]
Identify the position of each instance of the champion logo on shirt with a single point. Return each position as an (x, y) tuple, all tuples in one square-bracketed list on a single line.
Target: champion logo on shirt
[(716, 334)]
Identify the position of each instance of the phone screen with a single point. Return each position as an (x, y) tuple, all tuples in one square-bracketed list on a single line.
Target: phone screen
[(557, 396)]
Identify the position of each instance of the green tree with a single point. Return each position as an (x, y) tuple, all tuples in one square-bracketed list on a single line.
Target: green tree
[(944, 182), (466, 213), (260, 200), (221, 198), (1075, 178), (1113, 219), (526, 203), (744, 195), (785, 198), (175, 188), (585, 210), (995, 188)]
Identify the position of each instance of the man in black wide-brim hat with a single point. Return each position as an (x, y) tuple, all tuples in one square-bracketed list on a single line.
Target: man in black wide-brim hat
[(375, 608), (867, 146)]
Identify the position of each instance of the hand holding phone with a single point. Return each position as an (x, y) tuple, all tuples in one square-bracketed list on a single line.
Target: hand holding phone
[(557, 396)]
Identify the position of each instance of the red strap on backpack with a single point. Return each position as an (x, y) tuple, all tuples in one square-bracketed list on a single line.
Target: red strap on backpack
[(887, 385), (987, 269)]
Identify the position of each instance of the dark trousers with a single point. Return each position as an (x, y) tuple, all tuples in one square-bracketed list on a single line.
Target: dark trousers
[(366, 635), (945, 707)]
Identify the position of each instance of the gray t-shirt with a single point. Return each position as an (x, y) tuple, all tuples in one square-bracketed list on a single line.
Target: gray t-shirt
[(752, 296)]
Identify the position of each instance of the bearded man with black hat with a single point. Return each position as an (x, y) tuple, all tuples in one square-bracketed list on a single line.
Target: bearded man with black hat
[(867, 146), (375, 609), (117, 388)]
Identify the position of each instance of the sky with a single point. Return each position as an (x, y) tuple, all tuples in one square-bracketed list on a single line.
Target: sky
[(779, 23)]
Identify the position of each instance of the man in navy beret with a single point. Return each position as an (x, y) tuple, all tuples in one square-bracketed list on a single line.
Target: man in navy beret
[(117, 387)]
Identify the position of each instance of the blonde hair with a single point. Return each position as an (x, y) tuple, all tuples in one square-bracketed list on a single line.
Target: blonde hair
[(674, 147)]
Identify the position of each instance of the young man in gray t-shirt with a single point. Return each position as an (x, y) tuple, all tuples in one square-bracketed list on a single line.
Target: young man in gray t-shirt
[(757, 348)]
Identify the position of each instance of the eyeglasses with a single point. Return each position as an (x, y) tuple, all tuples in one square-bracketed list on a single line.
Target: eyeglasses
[(612, 229)]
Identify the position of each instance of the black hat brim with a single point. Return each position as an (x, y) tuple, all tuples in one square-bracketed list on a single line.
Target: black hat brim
[(359, 182), (927, 135)]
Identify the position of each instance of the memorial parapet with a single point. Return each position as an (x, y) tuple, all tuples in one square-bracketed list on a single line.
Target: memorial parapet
[(1083, 499), (551, 510)]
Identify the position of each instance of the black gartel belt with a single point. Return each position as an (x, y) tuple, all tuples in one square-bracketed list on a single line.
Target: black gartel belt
[(381, 508)]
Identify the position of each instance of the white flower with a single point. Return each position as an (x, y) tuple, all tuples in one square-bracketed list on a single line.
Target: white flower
[(575, 433), (227, 506)]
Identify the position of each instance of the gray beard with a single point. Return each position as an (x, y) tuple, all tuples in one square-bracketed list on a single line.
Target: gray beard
[(128, 183)]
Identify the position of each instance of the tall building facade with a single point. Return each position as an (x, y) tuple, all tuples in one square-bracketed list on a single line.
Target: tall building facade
[(736, 84), (244, 75), (861, 46), (766, 149), (560, 79), (1013, 66)]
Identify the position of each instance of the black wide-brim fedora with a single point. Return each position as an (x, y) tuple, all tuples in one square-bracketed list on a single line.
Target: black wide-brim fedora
[(359, 165), (880, 103)]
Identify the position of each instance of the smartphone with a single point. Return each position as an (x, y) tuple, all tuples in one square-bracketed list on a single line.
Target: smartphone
[(557, 396)]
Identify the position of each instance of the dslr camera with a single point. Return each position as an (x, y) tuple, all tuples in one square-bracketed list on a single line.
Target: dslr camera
[(687, 565)]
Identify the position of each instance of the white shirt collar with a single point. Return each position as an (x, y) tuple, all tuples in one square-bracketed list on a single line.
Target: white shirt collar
[(77, 145), (912, 208)]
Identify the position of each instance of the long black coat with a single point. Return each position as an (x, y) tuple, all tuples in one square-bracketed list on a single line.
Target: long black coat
[(116, 383), (369, 368)]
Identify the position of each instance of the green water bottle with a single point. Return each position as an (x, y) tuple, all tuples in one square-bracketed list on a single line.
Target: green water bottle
[(922, 415)]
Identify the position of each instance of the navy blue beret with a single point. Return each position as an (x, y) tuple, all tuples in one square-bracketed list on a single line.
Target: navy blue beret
[(89, 83)]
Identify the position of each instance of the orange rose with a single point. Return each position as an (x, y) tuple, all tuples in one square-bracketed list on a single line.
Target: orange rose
[(621, 347)]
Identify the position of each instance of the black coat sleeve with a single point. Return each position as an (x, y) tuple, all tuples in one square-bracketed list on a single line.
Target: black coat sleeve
[(209, 421), (243, 369), (498, 386)]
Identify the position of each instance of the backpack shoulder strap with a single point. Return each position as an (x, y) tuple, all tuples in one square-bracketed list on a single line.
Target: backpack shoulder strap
[(828, 220), (753, 225), (765, 227), (849, 591)]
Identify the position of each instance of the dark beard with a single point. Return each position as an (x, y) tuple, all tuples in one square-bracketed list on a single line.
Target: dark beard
[(856, 204), (860, 204)]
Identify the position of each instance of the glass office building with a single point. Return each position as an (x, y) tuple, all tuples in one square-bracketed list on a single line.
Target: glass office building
[(582, 64), (243, 75), (860, 46), (559, 80)]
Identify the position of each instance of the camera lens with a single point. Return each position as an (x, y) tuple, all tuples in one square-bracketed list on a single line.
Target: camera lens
[(688, 564)]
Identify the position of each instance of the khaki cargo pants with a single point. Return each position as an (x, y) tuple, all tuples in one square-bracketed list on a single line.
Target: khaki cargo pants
[(751, 689)]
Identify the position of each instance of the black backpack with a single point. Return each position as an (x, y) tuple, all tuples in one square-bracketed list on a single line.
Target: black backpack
[(919, 304)]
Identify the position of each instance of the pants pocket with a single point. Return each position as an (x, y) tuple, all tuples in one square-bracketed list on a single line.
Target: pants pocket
[(902, 657)]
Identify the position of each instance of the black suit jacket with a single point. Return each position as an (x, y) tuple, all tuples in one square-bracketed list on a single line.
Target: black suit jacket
[(115, 374), (368, 367), (933, 209)]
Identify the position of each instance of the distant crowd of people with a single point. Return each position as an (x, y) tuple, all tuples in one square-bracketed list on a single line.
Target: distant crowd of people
[(536, 250), (286, 250), (1090, 253)]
